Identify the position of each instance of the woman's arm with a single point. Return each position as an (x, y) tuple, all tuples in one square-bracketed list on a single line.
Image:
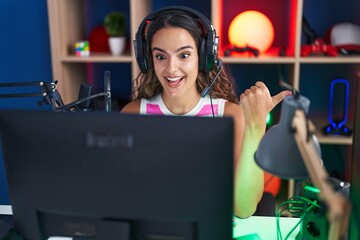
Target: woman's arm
[(132, 107), (250, 126)]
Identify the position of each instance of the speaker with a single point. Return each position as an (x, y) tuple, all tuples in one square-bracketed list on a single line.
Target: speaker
[(208, 49)]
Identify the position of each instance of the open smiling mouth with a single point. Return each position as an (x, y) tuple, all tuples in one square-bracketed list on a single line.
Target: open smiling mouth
[(174, 82)]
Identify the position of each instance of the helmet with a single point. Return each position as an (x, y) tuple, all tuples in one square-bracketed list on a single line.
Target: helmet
[(345, 36)]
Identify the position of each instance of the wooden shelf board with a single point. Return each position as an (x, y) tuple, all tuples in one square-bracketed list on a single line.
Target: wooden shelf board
[(258, 60), (98, 57), (335, 60), (330, 139), (341, 140)]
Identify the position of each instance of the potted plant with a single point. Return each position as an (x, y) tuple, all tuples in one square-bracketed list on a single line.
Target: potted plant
[(115, 27)]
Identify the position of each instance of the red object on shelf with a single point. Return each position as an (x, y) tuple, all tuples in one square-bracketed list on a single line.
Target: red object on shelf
[(318, 47), (272, 184), (98, 40)]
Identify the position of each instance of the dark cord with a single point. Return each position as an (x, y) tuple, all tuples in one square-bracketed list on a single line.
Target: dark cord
[(287, 86), (211, 102), (74, 104), (208, 89), (212, 106)]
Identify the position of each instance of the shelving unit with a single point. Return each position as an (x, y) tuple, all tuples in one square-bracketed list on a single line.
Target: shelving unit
[(67, 25), (293, 60)]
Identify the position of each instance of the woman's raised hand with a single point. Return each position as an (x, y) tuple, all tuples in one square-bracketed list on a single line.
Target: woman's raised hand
[(256, 102)]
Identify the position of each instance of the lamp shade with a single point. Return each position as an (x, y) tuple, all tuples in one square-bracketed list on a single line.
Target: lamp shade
[(278, 152)]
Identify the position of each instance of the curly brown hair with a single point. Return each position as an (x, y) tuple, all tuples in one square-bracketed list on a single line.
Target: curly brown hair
[(146, 85)]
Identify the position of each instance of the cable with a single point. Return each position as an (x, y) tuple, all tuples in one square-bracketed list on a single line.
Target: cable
[(74, 104), (207, 89), (300, 221), (295, 206), (211, 84), (212, 106), (287, 86)]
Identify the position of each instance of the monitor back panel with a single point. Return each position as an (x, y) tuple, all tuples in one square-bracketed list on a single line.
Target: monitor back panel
[(139, 170)]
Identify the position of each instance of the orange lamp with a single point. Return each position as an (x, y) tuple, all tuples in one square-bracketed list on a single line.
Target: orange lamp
[(251, 28)]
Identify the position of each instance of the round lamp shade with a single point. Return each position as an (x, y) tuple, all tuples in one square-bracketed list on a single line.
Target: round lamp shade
[(251, 28)]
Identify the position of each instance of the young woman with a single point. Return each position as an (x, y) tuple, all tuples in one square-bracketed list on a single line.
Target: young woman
[(177, 65)]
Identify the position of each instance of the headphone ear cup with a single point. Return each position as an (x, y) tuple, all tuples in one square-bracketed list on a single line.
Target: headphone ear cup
[(211, 47), (207, 55), (202, 56), (140, 53)]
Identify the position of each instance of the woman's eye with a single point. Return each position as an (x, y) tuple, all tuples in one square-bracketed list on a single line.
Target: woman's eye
[(184, 55), (160, 57)]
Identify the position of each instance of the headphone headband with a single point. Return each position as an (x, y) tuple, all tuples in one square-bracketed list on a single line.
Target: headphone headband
[(208, 49), (204, 20)]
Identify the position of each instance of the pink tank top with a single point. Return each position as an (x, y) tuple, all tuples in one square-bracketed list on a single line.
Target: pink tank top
[(156, 106)]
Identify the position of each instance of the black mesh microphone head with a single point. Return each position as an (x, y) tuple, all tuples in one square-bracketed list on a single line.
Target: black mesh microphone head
[(85, 92)]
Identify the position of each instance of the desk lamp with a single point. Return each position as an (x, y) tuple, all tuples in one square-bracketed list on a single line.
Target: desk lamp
[(277, 152), (290, 150)]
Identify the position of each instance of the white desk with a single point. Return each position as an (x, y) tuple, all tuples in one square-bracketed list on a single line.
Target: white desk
[(265, 227), (5, 210)]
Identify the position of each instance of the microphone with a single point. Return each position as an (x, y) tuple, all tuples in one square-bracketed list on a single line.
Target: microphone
[(207, 89), (77, 105), (84, 92)]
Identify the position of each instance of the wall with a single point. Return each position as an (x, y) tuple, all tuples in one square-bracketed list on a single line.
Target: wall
[(24, 56)]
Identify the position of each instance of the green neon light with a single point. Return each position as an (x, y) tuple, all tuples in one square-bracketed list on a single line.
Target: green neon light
[(312, 189), (269, 119)]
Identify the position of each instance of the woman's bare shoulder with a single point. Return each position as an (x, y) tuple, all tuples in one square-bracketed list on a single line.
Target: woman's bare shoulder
[(131, 107)]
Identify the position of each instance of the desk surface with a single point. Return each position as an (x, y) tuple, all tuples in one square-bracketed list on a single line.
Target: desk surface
[(264, 227)]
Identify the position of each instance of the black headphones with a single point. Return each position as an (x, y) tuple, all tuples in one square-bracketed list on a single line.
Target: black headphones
[(208, 50)]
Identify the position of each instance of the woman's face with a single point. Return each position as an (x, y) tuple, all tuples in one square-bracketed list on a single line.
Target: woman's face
[(175, 57)]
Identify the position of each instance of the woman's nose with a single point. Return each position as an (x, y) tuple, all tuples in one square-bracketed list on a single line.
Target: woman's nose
[(172, 65)]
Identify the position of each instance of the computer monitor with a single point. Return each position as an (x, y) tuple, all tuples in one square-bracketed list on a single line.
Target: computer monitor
[(115, 176)]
